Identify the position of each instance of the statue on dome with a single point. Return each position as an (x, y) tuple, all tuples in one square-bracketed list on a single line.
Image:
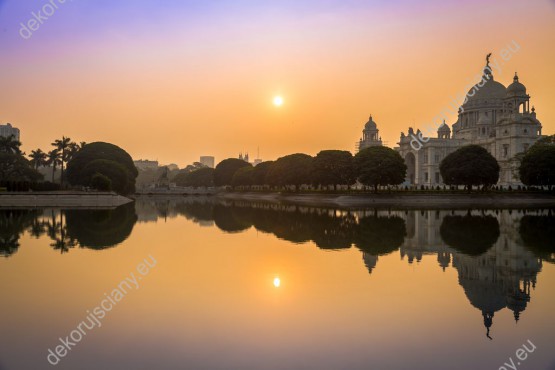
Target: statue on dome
[(487, 60)]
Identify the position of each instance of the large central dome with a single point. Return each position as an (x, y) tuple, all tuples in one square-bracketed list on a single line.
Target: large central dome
[(490, 90)]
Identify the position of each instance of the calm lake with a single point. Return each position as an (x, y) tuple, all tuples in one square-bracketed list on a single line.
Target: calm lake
[(196, 283)]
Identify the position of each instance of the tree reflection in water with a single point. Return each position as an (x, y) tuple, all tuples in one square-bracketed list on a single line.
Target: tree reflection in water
[(12, 225), (94, 229)]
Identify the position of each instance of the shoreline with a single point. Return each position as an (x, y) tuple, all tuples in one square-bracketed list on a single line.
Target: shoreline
[(402, 201), (61, 199)]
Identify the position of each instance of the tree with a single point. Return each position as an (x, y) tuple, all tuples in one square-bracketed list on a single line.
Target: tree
[(101, 182), (114, 171), (293, 170), (380, 166), (470, 165), (54, 159), (260, 173), (8, 144), (63, 146), (223, 174), (538, 166), (243, 177), (14, 167), (38, 159), (333, 167), (203, 177), (73, 149), (193, 167), (122, 167)]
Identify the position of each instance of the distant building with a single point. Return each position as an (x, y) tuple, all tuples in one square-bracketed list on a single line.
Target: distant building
[(244, 157), (145, 165), (257, 162), (208, 161), (173, 167), (370, 135), (8, 130)]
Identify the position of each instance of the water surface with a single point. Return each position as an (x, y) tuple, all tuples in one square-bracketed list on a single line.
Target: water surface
[(239, 285)]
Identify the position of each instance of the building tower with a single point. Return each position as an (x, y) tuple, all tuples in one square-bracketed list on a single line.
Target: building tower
[(370, 135)]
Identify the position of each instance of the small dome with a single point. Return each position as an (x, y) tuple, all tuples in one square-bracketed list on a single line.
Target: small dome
[(516, 88), (370, 125), (444, 127)]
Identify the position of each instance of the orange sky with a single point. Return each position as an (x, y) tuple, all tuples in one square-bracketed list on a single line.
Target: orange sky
[(173, 84)]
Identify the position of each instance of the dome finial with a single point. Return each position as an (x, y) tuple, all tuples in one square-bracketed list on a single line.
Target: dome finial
[(487, 69), (516, 77)]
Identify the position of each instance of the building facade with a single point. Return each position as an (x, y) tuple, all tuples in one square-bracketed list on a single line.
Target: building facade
[(146, 165), (208, 161), (8, 130), (496, 117)]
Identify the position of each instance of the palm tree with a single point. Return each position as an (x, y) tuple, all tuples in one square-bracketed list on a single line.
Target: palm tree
[(9, 144), (62, 241), (54, 159), (63, 146), (73, 149), (38, 158)]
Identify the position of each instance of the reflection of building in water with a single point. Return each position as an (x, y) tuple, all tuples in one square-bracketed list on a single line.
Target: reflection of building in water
[(499, 278), (370, 261)]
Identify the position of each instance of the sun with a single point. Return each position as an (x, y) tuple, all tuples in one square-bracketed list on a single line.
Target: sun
[(278, 101), (277, 282)]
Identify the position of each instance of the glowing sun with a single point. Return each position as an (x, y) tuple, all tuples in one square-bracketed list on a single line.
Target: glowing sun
[(277, 282), (278, 101)]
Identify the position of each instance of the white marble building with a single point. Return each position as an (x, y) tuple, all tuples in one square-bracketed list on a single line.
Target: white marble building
[(493, 116)]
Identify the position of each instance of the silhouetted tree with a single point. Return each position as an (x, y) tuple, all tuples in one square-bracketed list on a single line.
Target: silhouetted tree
[(291, 170), (203, 177), (9, 144), (333, 167), (470, 165), (14, 167), (380, 166), (63, 147), (260, 173), (38, 159), (106, 159), (243, 177), (54, 159), (538, 165), (225, 170)]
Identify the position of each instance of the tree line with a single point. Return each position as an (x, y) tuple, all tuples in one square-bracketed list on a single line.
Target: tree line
[(374, 167), (100, 166)]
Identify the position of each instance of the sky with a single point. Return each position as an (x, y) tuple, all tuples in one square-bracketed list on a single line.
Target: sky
[(175, 80)]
